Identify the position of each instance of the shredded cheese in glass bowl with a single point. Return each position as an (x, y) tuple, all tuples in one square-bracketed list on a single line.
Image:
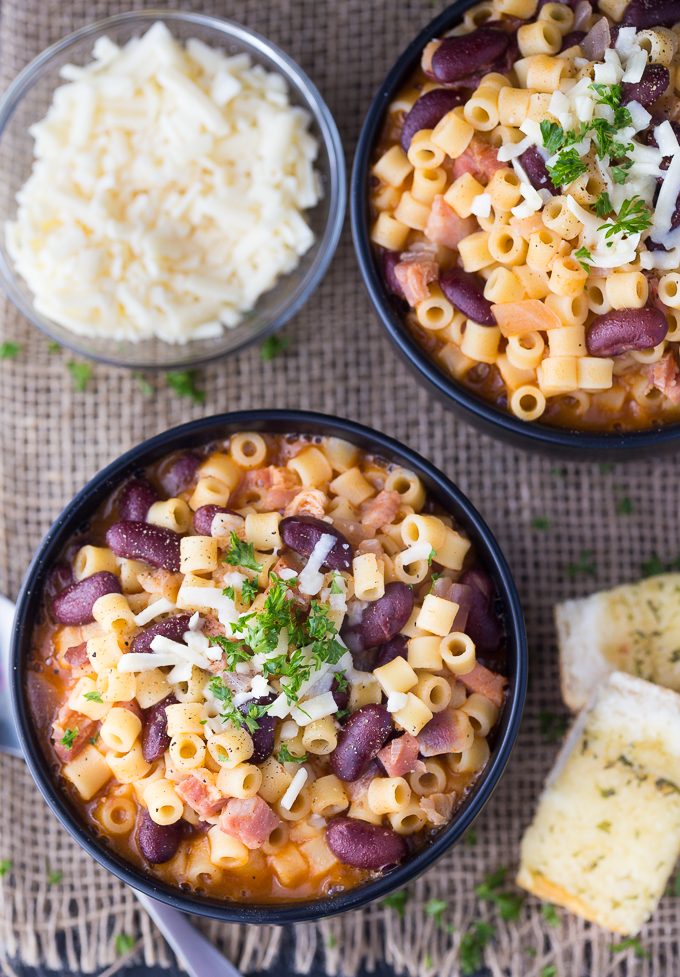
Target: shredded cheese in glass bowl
[(178, 190)]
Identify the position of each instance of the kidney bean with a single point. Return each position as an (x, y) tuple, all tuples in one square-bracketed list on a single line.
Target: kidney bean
[(364, 845), (465, 290), (58, 578), (622, 330), (74, 605), (651, 13), (155, 739), (341, 696), (654, 82), (204, 516), (571, 39), (180, 474), (302, 533), (457, 57), (136, 499), (263, 736), (144, 541), (157, 842), (384, 618), (428, 111), (394, 648), (172, 627), (482, 622), (535, 168), (390, 259), (364, 733)]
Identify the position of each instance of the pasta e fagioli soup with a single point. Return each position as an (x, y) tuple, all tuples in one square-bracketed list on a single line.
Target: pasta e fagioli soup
[(524, 209), (269, 669)]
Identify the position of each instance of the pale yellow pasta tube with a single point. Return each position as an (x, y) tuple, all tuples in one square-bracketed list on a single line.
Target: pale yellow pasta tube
[(163, 802), (458, 652), (386, 795)]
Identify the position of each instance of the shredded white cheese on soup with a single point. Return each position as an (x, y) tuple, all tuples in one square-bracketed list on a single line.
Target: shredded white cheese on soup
[(167, 192)]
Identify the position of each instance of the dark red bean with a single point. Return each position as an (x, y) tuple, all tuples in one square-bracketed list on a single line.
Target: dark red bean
[(395, 648), (465, 290), (428, 111), (535, 168), (181, 474), (144, 541), (390, 259), (572, 38), (302, 533), (74, 605), (157, 843), (384, 618), (204, 516), (651, 13), (263, 736), (654, 82), (364, 845), (482, 623), (136, 499), (172, 627), (58, 578), (364, 733), (622, 330), (341, 695), (457, 57), (155, 739)]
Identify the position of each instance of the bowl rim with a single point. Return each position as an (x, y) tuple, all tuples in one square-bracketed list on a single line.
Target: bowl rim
[(204, 429), (492, 418), (330, 141)]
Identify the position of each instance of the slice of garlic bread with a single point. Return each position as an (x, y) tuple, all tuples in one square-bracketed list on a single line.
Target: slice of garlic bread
[(634, 628), (606, 834)]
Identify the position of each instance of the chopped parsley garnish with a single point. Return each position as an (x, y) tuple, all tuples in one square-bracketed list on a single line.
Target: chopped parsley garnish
[(541, 523), (624, 507), (397, 901), (552, 727), (472, 946), (431, 556), (81, 374), (143, 384), (494, 889), (620, 173), (433, 579), (549, 914), (5, 866), (584, 258), (241, 554), (553, 136), (273, 346), (229, 592), (603, 205), (583, 567), (608, 94), (567, 167), (436, 909), (124, 943), (183, 382), (9, 350), (634, 217), (632, 943), (249, 591), (93, 696), (234, 651), (285, 756), (341, 682), (229, 712), (69, 738), (335, 585), (93, 739)]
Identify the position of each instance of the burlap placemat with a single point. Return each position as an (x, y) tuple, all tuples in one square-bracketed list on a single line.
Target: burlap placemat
[(599, 525)]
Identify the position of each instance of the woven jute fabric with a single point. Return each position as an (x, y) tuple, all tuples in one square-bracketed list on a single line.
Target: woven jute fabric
[(54, 438)]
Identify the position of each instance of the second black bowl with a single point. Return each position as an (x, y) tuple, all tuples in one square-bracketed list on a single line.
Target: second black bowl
[(481, 413)]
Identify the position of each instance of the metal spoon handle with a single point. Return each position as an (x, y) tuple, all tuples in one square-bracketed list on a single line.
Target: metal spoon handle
[(198, 955)]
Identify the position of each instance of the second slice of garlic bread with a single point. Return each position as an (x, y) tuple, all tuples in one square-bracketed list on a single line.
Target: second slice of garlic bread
[(634, 628), (606, 835)]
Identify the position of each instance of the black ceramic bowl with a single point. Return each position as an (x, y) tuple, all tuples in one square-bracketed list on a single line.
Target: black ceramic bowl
[(81, 509), (483, 414)]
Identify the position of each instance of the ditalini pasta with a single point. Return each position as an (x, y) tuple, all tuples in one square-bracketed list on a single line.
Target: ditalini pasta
[(526, 210), (168, 191), (262, 699)]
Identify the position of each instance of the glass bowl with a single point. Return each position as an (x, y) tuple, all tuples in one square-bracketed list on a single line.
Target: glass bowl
[(26, 101)]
